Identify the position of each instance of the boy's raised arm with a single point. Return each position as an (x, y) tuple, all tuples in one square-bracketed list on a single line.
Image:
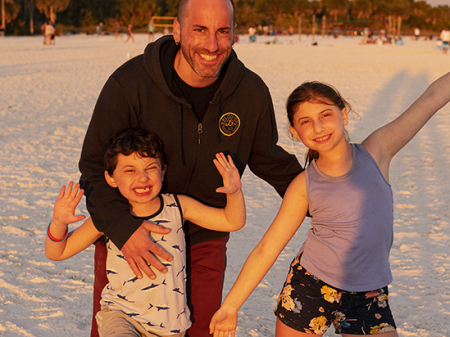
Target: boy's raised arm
[(59, 243), (230, 218)]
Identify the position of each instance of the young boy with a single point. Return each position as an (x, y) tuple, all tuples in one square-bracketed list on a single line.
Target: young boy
[(135, 164)]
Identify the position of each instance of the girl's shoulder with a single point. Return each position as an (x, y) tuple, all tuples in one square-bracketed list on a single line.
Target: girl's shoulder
[(298, 185)]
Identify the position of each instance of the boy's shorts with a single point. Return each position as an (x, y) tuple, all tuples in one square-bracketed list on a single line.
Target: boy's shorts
[(307, 304), (117, 323)]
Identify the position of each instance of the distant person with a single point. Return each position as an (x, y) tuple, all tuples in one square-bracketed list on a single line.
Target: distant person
[(291, 34), (50, 33), (416, 33), (135, 164), (130, 35), (341, 274), (43, 27), (151, 31), (252, 34), (445, 38), (117, 33)]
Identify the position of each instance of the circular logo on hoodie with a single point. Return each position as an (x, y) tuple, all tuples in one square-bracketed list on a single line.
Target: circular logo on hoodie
[(229, 123)]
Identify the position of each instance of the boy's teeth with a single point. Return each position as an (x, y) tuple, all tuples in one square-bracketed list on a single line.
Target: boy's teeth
[(141, 190)]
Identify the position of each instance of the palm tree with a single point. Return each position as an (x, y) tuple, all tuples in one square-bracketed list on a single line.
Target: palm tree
[(51, 7)]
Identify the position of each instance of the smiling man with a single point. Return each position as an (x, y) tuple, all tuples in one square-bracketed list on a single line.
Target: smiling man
[(191, 90)]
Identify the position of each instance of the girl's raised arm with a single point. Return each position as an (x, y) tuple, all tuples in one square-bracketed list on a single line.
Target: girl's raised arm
[(385, 142), (289, 218)]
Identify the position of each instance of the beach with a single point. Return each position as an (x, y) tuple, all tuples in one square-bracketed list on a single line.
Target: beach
[(47, 95)]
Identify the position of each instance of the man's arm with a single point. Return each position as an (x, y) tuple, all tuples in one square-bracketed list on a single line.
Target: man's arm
[(269, 161), (109, 210)]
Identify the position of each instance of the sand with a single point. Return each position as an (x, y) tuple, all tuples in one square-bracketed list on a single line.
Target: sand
[(47, 94)]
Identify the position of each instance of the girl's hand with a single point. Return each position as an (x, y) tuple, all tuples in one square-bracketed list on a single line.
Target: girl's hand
[(229, 173), (223, 323), (65, 205)]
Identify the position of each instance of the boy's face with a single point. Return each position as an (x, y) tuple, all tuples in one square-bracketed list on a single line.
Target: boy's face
[(139, 180)]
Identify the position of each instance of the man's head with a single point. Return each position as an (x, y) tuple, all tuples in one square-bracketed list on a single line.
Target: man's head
[(205, 31), (135, 164)]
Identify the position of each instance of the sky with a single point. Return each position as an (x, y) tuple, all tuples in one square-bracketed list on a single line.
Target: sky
[(438, 2)]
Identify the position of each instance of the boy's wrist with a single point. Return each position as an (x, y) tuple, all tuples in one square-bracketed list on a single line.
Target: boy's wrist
[(59, 234)]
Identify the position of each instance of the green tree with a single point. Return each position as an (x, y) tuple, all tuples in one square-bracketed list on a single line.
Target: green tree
[(362, 8), (10, 10), (336, 7), (51, 7), (136, 12)]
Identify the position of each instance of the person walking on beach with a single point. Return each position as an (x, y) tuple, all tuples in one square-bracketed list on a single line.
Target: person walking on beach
[(192, 90), (130, 35), (151, 30), (135, 165), (50, 33), (445, 38), (117, 33), (341, 273)]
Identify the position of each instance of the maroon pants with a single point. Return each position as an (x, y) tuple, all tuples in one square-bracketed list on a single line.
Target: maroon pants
[(206, 269)]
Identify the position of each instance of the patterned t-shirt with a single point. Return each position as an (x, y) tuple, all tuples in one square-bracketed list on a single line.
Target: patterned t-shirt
[(160, 305)]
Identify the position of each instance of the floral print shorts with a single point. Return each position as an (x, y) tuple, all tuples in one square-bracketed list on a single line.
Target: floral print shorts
[(309, 305)]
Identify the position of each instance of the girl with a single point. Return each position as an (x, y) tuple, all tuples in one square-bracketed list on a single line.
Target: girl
[(342, 271)]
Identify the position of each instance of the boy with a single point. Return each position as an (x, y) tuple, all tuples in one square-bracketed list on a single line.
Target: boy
[(135, 164)]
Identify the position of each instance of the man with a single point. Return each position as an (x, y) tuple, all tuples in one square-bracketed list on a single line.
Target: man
[(192, 91)]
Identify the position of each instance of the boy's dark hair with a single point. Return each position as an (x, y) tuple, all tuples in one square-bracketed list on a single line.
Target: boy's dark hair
[(135, 140)]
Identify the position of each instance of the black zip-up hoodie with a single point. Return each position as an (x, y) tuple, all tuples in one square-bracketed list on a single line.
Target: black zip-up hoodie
[(239, 121)]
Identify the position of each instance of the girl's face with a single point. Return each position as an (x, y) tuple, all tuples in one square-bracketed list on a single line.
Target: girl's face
[(319, 126)]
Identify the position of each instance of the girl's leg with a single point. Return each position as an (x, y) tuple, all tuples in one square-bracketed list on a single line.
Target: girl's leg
[(384, 334), (282, 330)]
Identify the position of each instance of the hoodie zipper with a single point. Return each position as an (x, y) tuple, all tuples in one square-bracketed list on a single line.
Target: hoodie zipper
[(200, 131)]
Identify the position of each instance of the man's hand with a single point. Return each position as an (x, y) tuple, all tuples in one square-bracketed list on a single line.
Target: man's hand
[(140, 250)]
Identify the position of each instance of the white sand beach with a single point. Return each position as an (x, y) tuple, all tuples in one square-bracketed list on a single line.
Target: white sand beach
[(47, 94)]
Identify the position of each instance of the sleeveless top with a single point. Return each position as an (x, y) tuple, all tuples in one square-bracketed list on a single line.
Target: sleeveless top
[(352, 225), (160, 305)]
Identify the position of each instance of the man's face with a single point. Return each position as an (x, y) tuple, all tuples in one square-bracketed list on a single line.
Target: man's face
[(206, 35)]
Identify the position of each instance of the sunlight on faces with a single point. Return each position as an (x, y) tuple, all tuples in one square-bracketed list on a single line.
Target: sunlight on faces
[(139, 180), (206, 36), (319, 126)]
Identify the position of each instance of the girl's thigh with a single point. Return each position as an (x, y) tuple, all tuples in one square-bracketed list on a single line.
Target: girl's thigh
[(282, 330)]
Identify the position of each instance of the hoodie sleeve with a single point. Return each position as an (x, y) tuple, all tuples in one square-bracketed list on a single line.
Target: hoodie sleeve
[(109, 210), (269, 161)]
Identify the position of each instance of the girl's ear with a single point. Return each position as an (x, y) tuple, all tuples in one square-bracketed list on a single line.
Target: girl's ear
[(294, 133), (110, 180), (345, 115)]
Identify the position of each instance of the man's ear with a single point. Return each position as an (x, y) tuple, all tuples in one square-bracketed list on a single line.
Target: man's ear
[(176, 31), (110, 180)]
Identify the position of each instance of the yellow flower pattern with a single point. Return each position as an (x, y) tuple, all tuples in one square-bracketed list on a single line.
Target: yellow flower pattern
[(330, 295), (319, 325), (329, 306), (383, 327), (285, 298)]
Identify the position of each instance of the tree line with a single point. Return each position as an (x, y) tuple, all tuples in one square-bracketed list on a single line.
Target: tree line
[(24, 17)]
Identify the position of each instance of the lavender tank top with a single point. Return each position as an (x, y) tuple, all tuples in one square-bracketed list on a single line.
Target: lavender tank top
[(352, 226)]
